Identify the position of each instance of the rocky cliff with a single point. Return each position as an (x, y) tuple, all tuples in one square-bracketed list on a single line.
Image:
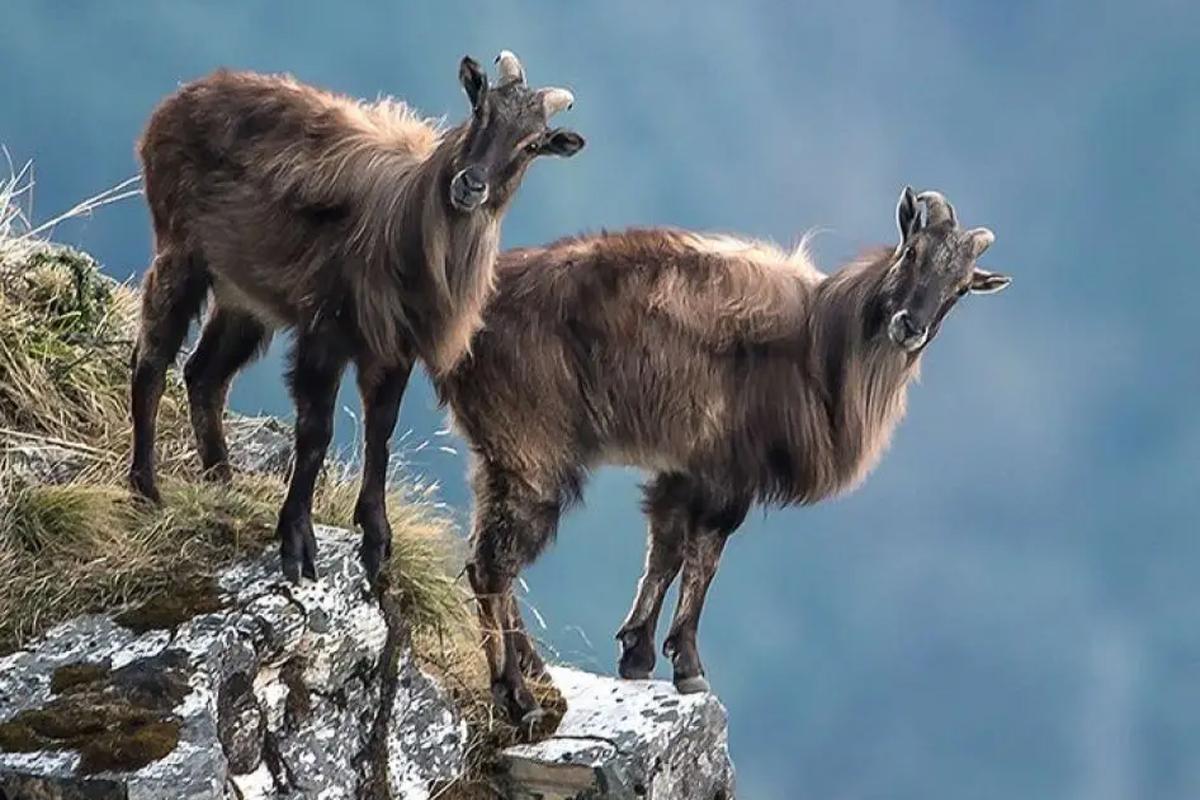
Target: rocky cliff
[(257, 689)]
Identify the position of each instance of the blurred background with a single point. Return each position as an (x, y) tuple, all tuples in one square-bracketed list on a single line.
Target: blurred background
[(1009, 606)]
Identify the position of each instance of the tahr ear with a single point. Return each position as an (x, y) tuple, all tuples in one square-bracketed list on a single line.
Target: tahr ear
[(984, 282), (562, 142), (474, 81), (908, 216)]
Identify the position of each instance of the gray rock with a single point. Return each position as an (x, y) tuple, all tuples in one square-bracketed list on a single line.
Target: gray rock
[(35, 459), (281, 684), (259, 444), (632, 740)]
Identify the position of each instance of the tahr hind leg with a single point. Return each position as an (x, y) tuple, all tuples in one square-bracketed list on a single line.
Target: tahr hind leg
[(530, 661), (172, 294), (701, 555), (666, 505), (230, 340), (513, 523)]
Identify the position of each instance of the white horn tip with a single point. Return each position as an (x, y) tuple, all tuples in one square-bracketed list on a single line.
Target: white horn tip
[(556, 100), (981, 239), (510, 66)]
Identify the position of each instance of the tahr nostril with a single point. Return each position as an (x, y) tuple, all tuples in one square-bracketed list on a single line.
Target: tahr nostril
[(904, 327), (905, 331), (907, 324), (473, 181)]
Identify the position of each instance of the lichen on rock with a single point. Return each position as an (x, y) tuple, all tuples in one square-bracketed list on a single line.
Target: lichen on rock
[(119, 719)]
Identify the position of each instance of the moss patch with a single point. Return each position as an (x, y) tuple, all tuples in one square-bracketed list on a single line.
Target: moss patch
[(117, 720), (69, 676), (68, 285), (129, 748), (168, 610)]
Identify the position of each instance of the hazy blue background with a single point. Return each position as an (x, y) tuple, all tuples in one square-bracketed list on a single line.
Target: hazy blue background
[(1009, 607)]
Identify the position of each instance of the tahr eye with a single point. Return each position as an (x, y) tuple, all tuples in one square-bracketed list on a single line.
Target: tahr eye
[(533, 146)]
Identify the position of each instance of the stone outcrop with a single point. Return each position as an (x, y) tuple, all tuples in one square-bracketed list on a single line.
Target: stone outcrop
[(267, 691), (625, 740)]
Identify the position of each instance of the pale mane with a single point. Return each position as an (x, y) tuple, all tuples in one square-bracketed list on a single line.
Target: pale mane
[(354, 148), (394, 125), (734, 290)]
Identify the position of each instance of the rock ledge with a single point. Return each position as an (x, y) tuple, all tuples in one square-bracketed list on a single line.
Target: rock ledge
[(632, 740), (272, 695)]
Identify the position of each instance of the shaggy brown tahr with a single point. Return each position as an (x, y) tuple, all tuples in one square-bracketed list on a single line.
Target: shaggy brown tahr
[(735, 372), (368, 230)]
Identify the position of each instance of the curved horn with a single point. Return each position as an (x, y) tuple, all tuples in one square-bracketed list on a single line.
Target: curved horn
[(937, 208), (510, 67), (981, 239), (555, 100)]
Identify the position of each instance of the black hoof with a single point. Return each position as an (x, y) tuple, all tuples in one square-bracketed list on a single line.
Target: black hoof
[(219, 473), (298, 551), (291, 568), (517, 702), (376, 550), (693, 685), (637, 655), (375, 558), (144, 488), (688, 672), (296, 568)]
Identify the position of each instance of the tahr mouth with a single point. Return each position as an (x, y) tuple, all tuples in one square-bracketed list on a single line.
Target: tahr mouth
[(905, 334)]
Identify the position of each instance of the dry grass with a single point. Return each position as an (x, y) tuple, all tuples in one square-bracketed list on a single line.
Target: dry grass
[(85, 545), (88, 546), (65, 333)]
